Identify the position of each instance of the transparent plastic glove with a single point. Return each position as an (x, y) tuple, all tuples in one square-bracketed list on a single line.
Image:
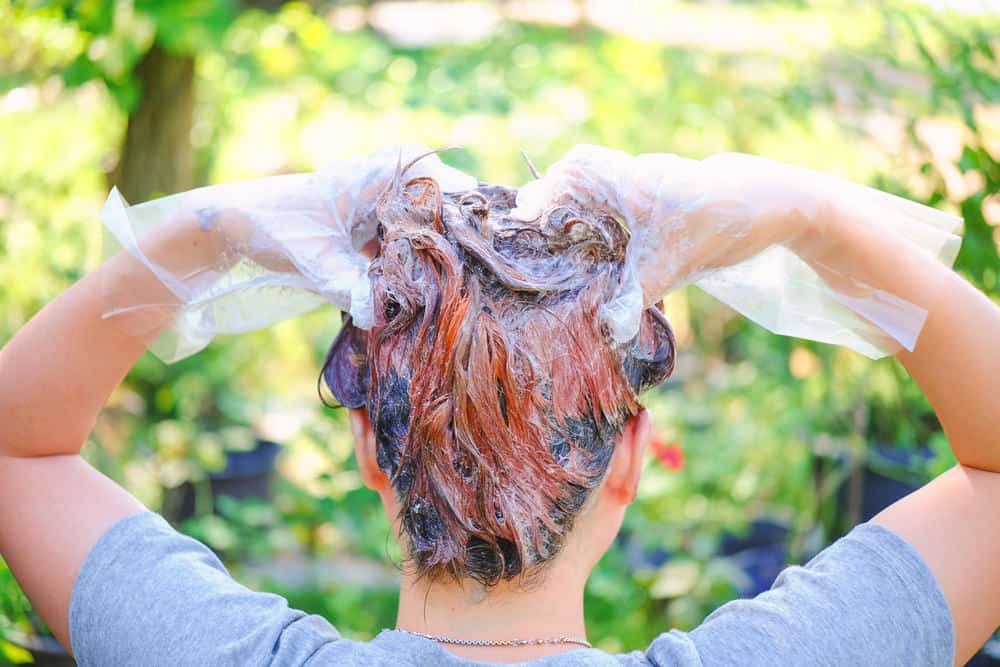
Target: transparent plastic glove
[(747, 230), (286, 244)]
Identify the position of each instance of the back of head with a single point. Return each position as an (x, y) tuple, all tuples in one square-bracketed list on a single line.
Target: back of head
[(494, 388)]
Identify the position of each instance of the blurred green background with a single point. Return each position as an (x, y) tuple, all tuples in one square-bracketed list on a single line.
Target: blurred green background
[(766, 446)]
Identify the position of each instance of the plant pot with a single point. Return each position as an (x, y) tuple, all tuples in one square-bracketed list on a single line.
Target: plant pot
[(761, 566), (761, 554), (865, 487), (639, 558), (761, 533), (246, 475), (988, 656), (890, 473)]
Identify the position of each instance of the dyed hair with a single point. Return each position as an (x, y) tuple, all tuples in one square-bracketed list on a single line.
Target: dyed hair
[(495, 391)]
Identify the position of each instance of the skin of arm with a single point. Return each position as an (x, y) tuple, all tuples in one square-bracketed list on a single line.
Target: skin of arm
[(55, 375), (954, 521)]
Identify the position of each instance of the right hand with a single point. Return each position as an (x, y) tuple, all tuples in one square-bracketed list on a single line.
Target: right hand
[(687, 217)]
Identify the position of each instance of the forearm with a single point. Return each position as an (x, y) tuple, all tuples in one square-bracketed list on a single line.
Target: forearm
[(58, 370), (955, 360)]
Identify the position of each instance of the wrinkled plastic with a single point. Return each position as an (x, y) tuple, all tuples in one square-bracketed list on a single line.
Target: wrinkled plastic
[(306, 249), (734, 225), (738, 226)]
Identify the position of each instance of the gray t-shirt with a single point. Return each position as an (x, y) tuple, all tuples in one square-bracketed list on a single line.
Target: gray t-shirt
[(147, 595)]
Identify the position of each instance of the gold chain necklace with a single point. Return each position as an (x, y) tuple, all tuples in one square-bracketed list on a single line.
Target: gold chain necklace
[(499, 642)]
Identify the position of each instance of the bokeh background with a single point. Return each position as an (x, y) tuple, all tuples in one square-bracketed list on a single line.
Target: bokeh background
[(767, 448)]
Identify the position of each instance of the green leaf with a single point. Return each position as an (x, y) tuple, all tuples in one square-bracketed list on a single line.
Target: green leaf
[(981, 43), (80, 71), (93, 16), (190, 26), (14, 654), (968, 160), (126, 93)]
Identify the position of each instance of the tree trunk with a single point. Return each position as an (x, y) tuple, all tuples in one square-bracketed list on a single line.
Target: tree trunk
[(156, 156)]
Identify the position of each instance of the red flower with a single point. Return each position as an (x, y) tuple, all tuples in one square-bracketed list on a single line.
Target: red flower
[(670, 454)]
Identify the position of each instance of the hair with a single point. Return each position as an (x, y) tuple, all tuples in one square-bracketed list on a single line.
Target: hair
[(495, 391)]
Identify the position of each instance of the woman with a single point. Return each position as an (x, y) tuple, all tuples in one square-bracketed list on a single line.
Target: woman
[(491, 364)]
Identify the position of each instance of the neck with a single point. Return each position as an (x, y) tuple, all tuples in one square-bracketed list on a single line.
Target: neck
[(551, 607)]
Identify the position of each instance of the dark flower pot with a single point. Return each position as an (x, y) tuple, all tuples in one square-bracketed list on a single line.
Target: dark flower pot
[(886, 474), (246, 475), (890, 474), (761, 565), (639, 558), (988, 656), (761, 553), (761, 533)]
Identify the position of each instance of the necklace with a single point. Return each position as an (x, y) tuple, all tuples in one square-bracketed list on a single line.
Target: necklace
[(499, 642)]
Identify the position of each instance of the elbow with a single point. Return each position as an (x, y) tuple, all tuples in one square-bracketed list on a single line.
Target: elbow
[(25, 434)]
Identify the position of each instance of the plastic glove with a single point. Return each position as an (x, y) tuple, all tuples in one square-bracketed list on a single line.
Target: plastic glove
[(748, 230), (288, 244)]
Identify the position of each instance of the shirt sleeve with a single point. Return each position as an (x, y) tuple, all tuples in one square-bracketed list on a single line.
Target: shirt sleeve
[(868, 599), (148, 595)]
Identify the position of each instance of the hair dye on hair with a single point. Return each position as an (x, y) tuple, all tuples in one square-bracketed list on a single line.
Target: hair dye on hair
[(495, 390)]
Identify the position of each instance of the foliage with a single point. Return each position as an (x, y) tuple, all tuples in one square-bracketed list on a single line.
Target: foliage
[(13, 607), (897, 96), (964, 68), (108, 40)]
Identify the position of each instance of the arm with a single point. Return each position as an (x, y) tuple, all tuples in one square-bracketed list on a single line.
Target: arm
[(55, 375), (953, 522)]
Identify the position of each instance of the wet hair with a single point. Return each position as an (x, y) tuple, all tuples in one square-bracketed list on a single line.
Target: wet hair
[(495, 390)]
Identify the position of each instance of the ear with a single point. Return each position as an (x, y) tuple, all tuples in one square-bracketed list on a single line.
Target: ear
[(625, 467), (364, 448)]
